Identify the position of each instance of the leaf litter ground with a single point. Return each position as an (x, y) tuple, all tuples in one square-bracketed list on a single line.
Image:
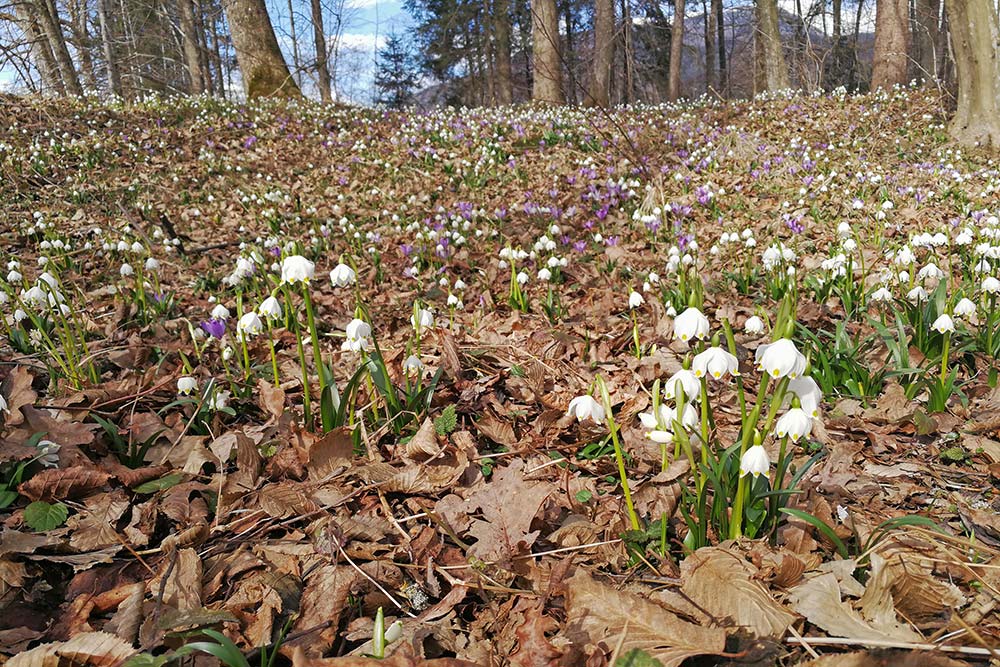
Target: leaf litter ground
[(496, 538)]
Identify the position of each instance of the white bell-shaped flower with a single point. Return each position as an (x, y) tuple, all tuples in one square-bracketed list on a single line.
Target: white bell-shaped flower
[(795, 424), (358, 336), (754, 326), (269, 308), (689, 383), (808, 392), (944, 324), (965, 308), (297, 269), (691, 324), (715, 362), (635, 300), (781, 358), (586, 407), (755, 461), (249, 325), (343, 275), (186, 384)]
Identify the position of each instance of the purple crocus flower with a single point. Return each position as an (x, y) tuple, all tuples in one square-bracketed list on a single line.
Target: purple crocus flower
[(214, 328)]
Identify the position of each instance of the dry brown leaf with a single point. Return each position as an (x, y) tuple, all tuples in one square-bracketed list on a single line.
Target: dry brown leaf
[(323, 601), (508, 504), (93, 528), (613, 618), (89, 649), (819, 600), (423, 445), (333, 451), (884, 659), (285, 499), (722, 583), (63, 483), (126, 620), (402, 656), (533, 648), (18, 392), (183, 588), (270, 398), (497, 430)]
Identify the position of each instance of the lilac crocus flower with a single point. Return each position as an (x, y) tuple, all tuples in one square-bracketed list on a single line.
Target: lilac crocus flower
[(214, 328)]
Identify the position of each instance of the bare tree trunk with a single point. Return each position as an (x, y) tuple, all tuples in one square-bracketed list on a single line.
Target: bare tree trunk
[(107, 45), (771, 70), (720, 19), (569, 53), (81, 38), (264, 71), (975, 34), (41, 50), (599, 91), (710, 51), (319, 39), (296, 61), (676, 52), (925, 38), (190, 42), (892, 36), (547, 84), (501, 29), (627, 53), (204, 58), (48, 20)]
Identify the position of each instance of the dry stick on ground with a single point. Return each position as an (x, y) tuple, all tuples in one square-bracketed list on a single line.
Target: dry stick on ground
[(882, 643)]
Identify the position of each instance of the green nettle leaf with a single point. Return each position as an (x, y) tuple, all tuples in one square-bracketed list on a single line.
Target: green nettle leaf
[(447, 421), (165, 482), (953, 455), (42, 516), (637, 658)]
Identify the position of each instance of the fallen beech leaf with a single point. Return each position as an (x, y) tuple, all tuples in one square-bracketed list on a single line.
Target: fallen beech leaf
[(89, 649), (402, 656), (334, 450), (93, 528), (509, 504), (18, 392), (423, 445), (272, 399), (819, 600), (533, 648), (721, 582), (63, 483), (615, 618)]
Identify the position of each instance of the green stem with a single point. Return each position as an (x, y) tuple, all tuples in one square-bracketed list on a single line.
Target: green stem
[(619, 458), (274, 356), (944, 359)]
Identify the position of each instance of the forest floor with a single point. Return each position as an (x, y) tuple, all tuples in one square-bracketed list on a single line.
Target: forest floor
[(165, 475)]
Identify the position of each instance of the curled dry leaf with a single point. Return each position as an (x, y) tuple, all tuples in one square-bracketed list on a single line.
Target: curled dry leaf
[(423, 445), (18, 392), (63, 483), (819, 600), (722, 583), (89, 649), (602, 614), (329, 453)]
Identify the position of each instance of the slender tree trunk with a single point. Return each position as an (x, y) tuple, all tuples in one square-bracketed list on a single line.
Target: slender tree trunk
[(107, 45), (501, 30), (892, 36), (627, 53), (547, 85), (264, 71), (319, 40), (569, 53), (975, 36), (48, 21), (720, 20), (204, 59), (771, 69), (216, 56), (41, 50), (296, 61), (185, 11), (676, 52), (81, 36), (710, 50), (925, 38), (599, 91)]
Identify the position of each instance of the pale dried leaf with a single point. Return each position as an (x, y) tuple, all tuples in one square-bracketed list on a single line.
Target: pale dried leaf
[(722, 583), (63, 483), (819, 600), (614, 618), (423, 445), (89, 649), (333, 451)]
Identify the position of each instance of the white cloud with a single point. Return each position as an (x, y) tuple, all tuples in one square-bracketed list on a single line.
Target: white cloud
[(361, 40)]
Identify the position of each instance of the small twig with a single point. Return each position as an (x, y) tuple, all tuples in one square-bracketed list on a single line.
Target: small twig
[(885, 643)]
